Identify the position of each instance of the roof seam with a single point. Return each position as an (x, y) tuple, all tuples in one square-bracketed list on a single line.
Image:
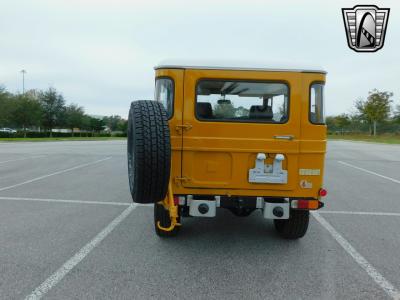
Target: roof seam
[(239, 69)]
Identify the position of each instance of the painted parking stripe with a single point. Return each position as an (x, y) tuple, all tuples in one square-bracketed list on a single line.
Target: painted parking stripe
[(55, 173), (73, 201), (368, 213), (58, 275), (360, 260), (369, 172), (19, 159)]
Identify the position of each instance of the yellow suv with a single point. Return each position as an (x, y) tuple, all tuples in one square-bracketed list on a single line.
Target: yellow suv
[(228, 135)]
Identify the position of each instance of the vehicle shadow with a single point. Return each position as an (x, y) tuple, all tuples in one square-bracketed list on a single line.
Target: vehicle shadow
[(227, 233)]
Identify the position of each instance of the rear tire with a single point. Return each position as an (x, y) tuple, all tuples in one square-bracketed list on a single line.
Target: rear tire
[(162, 215), (149, 151), (295, 227)]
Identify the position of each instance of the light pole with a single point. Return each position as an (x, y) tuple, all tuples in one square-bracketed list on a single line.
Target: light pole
[(23, 81)]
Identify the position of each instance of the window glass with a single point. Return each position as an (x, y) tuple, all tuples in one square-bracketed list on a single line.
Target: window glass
[(164, 93), (239, 101), (317, 109)]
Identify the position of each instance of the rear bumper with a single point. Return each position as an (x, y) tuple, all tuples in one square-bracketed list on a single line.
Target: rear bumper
[(272, 207)]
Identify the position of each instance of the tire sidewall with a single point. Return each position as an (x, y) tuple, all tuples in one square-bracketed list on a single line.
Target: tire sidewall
[(131, 152)]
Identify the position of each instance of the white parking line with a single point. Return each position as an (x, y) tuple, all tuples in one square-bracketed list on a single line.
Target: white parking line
[(58, 275), (19, 159), (52, 174), (64, 201), (360, 260), (369, 172), (359, 213)]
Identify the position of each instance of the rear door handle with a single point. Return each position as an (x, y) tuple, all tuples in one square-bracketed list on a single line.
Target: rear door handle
[(284, 137)]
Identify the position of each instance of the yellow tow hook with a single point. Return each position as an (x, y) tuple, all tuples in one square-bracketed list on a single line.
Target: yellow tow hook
[(169, 203)]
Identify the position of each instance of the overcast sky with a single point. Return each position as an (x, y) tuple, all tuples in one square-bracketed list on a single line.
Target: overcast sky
[(100, 54)]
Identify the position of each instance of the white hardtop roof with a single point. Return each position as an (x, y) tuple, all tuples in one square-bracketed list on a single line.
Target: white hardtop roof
[(239, 65)]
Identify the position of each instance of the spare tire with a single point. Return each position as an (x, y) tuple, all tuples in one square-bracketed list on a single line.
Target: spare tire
[(149, 151)]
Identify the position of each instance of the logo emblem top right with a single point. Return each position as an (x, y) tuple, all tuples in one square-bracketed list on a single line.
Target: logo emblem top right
[(365, 27)]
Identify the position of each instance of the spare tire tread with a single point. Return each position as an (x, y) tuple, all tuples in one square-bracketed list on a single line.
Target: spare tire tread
[(150, 140)]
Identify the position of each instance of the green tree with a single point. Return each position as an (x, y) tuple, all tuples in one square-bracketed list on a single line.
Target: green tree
[(112, 122), (123, 126), (5, 107), (342, 122), (96, 124), (241, 112), (27, 111), (53, 105), (86, 123), (338, 123), (376, 108), (74, 117), (396, 117), (330, 123), (224, 110)]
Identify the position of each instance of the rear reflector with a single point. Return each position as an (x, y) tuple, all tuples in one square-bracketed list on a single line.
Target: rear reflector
[(306, 204), (323, 192)]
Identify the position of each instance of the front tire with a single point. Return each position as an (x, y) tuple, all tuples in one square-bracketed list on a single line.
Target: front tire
[(295, 227)]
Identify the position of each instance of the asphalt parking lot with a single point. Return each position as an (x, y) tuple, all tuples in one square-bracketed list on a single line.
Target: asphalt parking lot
[(68, 230)]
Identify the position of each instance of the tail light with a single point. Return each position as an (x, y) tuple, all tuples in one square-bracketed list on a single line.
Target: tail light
[(323, 192), (306, 204)]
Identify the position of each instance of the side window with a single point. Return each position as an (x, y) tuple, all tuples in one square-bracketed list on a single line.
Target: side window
[(317, 107), (164, 93)]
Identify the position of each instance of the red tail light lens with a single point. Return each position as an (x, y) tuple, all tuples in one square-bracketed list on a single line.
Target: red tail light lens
[(323, 192), (302, 204)]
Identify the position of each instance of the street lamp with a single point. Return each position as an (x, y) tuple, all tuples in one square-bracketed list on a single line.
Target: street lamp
[(23, 81)]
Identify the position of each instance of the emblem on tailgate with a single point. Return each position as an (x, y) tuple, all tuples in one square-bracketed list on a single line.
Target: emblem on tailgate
[(304, 184)]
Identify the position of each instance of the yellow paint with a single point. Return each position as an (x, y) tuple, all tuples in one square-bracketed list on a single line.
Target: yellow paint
[(169, 204), (213, 158)]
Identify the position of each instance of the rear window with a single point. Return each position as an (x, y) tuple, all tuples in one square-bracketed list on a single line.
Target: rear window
[(164, 93), (240, 101), (317, 107)]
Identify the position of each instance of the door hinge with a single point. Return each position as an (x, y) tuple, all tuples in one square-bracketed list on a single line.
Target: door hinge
[(181, 179), (183, 127)]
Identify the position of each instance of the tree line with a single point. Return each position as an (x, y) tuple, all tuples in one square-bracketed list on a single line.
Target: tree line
[(374, 115), (37, 110)]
